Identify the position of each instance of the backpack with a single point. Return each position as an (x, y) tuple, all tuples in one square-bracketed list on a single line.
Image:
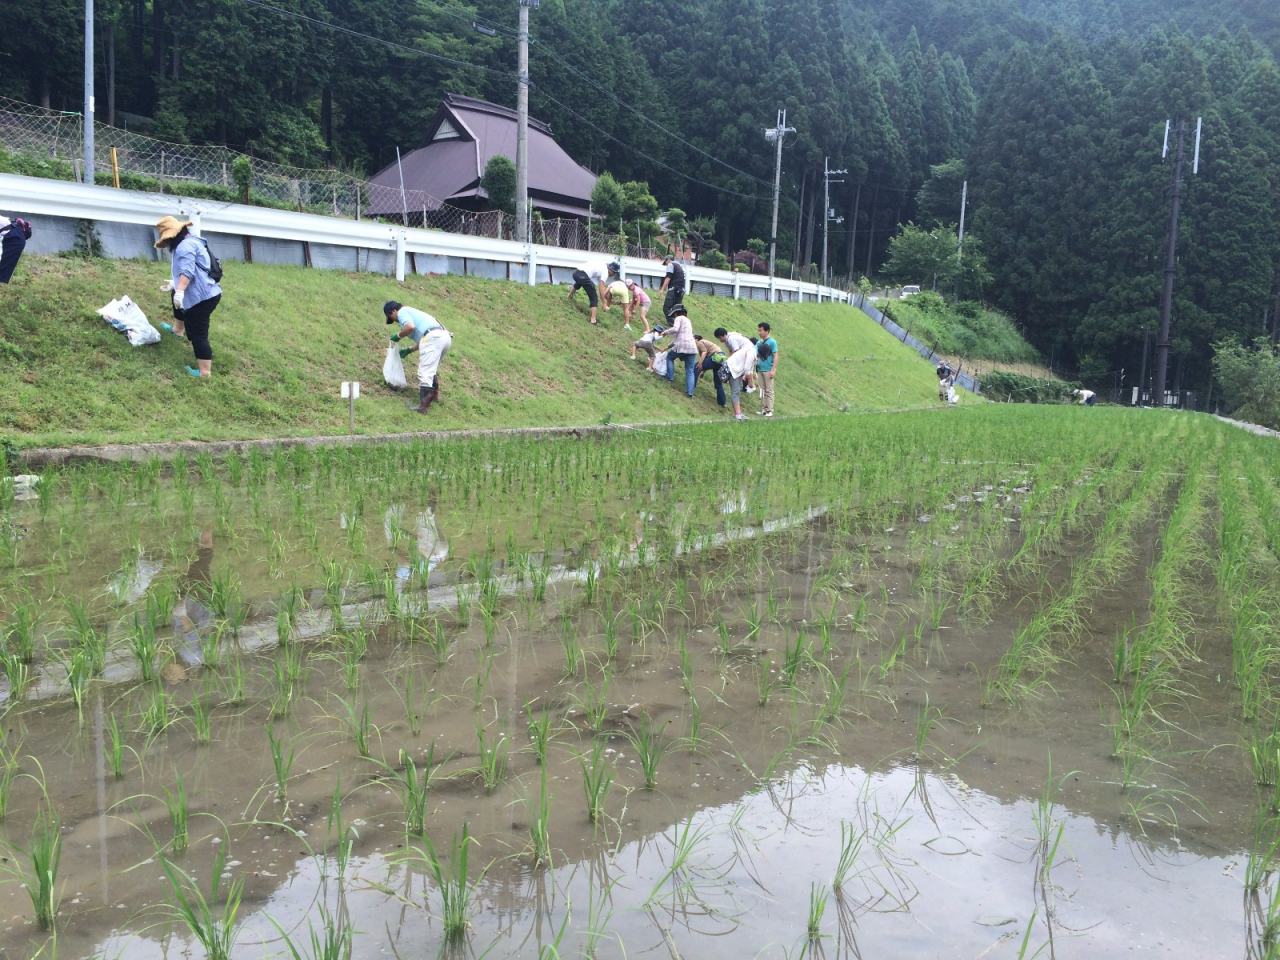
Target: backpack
[(23, 226), (215, 265)]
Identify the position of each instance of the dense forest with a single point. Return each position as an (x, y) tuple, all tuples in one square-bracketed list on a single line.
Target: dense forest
[(1052, 110)]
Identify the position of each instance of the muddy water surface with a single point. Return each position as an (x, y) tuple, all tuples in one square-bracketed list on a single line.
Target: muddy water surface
[(973, 829)]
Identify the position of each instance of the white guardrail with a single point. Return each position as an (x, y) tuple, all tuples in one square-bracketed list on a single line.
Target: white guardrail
[(292, 237)]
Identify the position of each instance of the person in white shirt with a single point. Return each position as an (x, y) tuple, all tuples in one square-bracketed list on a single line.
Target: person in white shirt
[(1086, 398), (592, 276), (742, 358)]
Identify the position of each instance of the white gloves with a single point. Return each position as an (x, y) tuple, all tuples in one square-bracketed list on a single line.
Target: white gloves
[(177, 299), (166, 287)]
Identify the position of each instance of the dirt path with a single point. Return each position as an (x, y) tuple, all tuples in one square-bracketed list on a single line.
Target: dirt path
[(1251, 427)]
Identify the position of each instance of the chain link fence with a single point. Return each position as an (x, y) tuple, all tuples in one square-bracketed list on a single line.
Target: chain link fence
[(48, 143)]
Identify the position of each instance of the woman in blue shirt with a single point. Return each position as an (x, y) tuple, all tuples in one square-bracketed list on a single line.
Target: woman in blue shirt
[(195, 294)]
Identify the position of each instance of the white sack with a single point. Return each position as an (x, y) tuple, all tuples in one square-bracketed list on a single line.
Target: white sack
[(660, 361), (393, 369), (127, 317)]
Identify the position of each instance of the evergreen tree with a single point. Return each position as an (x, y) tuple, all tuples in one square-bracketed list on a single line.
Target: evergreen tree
[(1037, 187)]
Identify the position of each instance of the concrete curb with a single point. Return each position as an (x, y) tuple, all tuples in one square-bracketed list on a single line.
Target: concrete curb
[(42, 457), (38, 458)]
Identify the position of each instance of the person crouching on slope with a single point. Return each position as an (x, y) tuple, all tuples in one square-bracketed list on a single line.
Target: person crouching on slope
[(430, 339)]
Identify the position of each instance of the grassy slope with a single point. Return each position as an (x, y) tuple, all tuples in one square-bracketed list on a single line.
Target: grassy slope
[(284, 337)]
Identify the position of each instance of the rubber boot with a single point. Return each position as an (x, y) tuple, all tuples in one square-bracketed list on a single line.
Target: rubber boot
[(423, 402), (435, 388), (427, 395)]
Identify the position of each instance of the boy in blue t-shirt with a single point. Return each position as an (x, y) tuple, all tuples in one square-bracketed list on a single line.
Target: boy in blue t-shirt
[(766, 366)]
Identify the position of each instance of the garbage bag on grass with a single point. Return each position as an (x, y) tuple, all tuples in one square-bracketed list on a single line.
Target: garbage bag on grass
[(660, 361), (393, 369), (127, 317)]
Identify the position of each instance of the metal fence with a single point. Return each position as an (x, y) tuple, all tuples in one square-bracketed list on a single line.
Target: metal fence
[(49, 143), (964, 380)]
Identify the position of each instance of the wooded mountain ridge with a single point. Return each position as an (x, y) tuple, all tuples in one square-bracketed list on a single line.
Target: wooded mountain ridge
[(1056, 108)]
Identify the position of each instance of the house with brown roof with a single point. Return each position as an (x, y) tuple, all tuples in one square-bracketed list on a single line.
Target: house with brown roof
[(463, 135)]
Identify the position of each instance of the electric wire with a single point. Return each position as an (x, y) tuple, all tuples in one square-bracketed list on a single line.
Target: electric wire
[(649, 120), (651, 159), (337, 27), (444, 7)]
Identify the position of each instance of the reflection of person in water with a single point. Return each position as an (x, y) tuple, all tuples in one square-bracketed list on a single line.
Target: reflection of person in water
[(432, 548), (191, 618)]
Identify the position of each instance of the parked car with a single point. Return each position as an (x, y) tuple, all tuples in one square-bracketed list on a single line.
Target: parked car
[(909, 291)]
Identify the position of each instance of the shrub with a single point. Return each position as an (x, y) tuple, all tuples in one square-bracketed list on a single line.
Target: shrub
[(714, 260), (1015, 388), (499, 182), (1250, 380)]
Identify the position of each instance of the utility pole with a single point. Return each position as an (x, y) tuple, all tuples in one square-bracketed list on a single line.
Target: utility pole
[(88, 91), (775, 135), (522, 123), (827, 212), (1171, 256), (964, 205), (1142, 376)]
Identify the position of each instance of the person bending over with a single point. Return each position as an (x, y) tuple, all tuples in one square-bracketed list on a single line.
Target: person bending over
[(592, 276), (14, 235), (431, 341), (742, 359), (196, 294)]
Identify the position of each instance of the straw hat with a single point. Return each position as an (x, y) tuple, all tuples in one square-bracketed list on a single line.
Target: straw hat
[(169, 228)]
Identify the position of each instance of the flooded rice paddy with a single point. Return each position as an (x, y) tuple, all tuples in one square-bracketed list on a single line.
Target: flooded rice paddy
[(990, 683)]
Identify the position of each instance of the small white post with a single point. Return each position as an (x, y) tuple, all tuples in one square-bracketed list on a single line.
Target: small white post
[(350, 393), (400, 256)]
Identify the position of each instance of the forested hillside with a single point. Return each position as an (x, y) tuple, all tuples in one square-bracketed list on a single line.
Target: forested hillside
[(1054, 108)]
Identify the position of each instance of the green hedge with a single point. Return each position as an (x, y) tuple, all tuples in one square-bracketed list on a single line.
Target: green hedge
[(1015, 388)]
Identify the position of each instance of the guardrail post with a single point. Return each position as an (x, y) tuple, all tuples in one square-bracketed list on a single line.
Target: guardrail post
[(533, 265), (400, 255), (736, 277)]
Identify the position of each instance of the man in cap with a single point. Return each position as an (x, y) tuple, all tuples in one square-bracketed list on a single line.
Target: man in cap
[(673, 285), (431, 341)]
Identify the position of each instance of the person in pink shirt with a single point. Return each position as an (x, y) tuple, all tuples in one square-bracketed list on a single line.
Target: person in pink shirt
[(639, 301)]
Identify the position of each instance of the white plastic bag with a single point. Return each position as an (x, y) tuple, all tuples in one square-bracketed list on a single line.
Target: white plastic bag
[(660, 361), (127, 317), (393, 369)]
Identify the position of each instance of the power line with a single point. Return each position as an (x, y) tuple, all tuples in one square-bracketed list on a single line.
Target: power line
[(470, 19), (667, 166), (444, 7), (386, 43), (675, 136)]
